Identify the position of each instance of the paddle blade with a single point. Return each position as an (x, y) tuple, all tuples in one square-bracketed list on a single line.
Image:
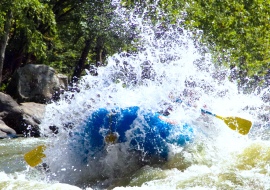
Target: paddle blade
[(111, 138), (33, 157), (236, 123)]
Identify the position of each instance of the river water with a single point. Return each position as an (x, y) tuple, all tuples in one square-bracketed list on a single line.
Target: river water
[(170, 64)]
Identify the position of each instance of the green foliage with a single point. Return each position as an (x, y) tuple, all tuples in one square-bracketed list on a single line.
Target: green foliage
[(239, 30), (100, 21), (29, 16), (4, 86), (85, 20), (56, 31)]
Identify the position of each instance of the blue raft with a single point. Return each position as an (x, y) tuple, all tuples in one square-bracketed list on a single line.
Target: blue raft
[(141, 130)]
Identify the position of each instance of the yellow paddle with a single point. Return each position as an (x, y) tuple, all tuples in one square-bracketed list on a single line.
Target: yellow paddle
[(235, 123), (33, 157)]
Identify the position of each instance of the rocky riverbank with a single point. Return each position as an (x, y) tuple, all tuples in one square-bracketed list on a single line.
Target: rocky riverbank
[(23, 106)]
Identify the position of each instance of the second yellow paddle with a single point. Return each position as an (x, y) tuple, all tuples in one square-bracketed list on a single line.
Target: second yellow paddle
[(33, 157), (235, 123)]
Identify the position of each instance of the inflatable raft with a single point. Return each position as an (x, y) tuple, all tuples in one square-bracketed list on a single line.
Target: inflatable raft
[(141, 130)]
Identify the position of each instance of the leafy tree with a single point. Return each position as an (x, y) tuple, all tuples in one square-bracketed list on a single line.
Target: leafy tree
[(4, 39), (239, 30), (86, 36), (63, 34), (31, 24)]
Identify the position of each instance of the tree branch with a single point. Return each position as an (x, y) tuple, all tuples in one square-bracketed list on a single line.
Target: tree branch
[(4, 41)]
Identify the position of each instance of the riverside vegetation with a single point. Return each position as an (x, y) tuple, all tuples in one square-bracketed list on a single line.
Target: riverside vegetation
[(71, 36)]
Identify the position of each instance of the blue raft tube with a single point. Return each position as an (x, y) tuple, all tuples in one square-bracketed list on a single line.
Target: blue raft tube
[(143, 130)]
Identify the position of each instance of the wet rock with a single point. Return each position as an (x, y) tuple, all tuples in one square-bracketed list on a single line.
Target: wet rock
[(33, 114), (36, 83), (23, 119), (3, 135), (10, 112), (6, 129), (8, 105), (34, 110)]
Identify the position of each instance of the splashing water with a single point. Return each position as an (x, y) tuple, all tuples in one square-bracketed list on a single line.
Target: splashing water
[(169, 65)]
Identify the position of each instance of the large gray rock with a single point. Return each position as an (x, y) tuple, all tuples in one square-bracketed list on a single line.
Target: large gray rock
[(24, 118), (10, 112), (8, 105), (5, 130), (35, 110), (3, 135), (33, 114), (36, 83)]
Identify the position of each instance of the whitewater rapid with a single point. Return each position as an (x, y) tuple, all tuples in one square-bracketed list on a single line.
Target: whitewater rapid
[(169, 64)]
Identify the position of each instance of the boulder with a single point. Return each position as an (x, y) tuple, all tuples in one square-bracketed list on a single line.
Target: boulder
[(5, 130), (34, 110), (3, 135), (8, 105), (32, 114), (36, 83), (23, 119), (10, 112)]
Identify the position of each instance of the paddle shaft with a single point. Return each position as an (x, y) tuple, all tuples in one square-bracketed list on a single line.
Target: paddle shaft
[(202, 110)]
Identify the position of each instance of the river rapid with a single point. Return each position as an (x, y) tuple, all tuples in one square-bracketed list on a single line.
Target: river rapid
[(170, 64)]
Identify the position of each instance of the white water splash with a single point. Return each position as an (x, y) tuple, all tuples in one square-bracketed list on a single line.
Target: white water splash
[(170, 64)]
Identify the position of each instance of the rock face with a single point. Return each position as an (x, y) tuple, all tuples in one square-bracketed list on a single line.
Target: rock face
[(20, 119), (31, 83), (10, 112), (36, 83), (32, 114), (5, 130)]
